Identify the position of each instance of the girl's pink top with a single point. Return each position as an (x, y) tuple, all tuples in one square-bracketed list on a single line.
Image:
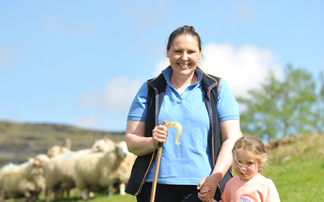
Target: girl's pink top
[(258, 189)]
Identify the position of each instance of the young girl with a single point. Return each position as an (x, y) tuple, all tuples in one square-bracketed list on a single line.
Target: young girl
[(249, 155)]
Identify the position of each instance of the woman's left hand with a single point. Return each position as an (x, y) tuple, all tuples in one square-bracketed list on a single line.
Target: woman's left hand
[(207, 189)]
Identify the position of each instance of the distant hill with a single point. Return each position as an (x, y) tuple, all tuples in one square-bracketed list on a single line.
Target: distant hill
[(18, 142)]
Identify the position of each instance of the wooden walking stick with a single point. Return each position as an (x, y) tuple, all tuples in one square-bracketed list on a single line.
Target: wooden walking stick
[(158, 157)]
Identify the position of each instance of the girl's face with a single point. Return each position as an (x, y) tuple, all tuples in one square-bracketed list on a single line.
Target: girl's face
[(184, 55), (245, 165)]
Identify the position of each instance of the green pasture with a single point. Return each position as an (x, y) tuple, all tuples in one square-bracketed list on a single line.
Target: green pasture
[(297, 169)]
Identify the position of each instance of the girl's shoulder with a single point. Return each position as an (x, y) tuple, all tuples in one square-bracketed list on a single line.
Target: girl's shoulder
[(262, 180), (234, 180)]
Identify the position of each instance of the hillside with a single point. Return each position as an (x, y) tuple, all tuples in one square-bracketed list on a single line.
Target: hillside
[(296, 163), (19, 141), (296, 166)]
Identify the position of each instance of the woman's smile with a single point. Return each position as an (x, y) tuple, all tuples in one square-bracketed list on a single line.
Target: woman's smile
[(184, 55)]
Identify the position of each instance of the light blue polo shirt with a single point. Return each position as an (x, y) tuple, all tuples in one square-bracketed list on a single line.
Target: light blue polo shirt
[(189, 162)]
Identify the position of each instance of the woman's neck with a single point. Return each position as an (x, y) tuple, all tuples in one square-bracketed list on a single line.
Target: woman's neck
[(181, 84)]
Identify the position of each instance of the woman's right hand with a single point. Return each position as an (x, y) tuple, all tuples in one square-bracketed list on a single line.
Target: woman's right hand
[(136, 141), (159, 134)]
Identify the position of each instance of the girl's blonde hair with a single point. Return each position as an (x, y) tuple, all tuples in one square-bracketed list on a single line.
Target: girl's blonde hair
[(253, 145)]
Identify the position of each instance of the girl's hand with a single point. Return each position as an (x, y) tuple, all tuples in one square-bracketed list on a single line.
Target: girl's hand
[(207, 190), (204, 191)]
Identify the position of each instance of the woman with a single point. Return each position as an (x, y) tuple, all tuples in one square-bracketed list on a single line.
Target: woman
[(206, 109)]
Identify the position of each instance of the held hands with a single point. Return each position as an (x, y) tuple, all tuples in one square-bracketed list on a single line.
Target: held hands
[(207, 190)]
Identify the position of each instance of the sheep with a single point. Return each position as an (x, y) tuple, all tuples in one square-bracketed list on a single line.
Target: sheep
[(97, 171), (24, 180), (58, 174), (59, 171), (99, 145), (103, 145), (4, 171), (123, 172), (55, 150)]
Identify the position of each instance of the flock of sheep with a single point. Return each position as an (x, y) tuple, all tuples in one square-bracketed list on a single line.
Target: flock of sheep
[(96, 169)]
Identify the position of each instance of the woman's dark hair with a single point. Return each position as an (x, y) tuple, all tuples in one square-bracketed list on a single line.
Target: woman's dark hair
[(190, 30)]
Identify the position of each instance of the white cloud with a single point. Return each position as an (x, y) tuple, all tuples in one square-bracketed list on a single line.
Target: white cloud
[(89, 100), (243, 68), (162, 64), (87, 122), (114, 103), (119, 94), (117, 98)]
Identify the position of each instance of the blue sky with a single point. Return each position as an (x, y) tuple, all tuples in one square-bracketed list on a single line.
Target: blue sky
[(80, 63)]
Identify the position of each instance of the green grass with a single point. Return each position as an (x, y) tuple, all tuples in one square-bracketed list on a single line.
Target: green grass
[(75, 196), (296, 168), (301, 181), (104, 198)]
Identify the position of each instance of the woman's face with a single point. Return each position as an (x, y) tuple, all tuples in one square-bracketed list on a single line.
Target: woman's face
[(184, 55), (245, 166)]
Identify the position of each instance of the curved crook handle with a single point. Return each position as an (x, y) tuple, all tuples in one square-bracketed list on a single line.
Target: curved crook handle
[(179, 130)]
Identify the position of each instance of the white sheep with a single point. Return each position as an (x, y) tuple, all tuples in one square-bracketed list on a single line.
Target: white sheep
[(59, 175), (24, 180), (123, 172), (56, 150), (99, 146), (98, 171), (103, 145), (5, 170), (59, 171)]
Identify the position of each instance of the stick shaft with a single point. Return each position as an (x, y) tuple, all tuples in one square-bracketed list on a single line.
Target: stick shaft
[(156, 173)]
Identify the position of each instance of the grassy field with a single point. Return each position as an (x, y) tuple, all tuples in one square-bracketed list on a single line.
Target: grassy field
[(296, 167)]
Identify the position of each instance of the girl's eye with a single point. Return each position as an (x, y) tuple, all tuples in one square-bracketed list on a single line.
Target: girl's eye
[(250, 163)]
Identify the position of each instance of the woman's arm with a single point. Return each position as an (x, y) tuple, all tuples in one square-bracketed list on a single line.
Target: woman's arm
[(136, 141), (230, 132)]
